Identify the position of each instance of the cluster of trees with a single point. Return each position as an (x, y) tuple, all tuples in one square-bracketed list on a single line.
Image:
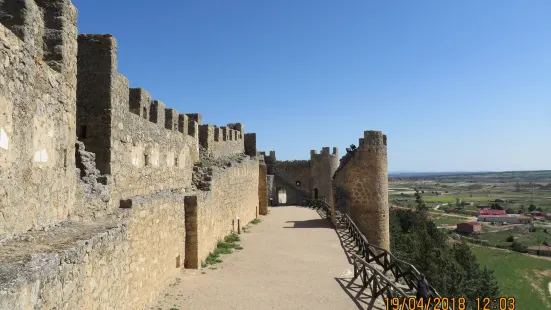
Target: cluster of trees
[(450, 267), (522, 209)]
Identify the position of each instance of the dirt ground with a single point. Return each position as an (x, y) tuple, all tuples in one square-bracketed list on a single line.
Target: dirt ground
[(291, 260)]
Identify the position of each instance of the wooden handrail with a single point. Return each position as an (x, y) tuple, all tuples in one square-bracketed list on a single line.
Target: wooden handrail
[(372, 253), (380, 275)]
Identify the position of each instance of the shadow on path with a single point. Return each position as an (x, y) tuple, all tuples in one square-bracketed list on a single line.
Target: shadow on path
[(357, 294), (317, 223)]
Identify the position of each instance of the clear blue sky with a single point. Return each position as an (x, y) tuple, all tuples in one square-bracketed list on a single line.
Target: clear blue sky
[(456, 85)]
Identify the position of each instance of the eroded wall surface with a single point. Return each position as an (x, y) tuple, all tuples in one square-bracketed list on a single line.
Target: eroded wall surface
[(322, 169), (286, 176), (104, 264), (37, 116), (234, 194), (361, 188), (149, 147), (96, 177)]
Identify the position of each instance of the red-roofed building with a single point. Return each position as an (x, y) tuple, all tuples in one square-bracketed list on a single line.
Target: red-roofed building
[(505, 219), (492, 212), (468, 227)]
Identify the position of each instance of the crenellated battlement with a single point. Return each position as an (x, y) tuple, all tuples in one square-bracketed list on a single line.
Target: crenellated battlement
[(48, 28), (372, 137), (60, 85), (269, 159), (221, 141), (133, 169), (325, 151)]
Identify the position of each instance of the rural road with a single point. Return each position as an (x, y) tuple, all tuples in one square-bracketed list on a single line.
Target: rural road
[(291, 260)]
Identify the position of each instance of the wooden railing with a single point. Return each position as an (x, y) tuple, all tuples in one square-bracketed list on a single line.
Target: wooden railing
[(401, 271), (376, 281)]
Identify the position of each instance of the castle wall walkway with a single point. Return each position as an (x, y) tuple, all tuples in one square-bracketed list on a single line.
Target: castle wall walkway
[(291, 260)]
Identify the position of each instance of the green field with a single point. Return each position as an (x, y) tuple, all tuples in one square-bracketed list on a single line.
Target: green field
[(526, 239), (448, 220), (518, 189), (519, 275)]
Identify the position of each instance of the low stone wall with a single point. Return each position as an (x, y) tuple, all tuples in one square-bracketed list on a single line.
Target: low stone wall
[(109, 264), (234, 193)]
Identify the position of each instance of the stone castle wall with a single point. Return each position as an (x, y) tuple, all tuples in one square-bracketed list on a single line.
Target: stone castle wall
[(98, 201), (314, 175), (322, 168), (222, 141), (104, 264), (286, 174), (37, 114), (233, 195), (361, 188), (143, 144)]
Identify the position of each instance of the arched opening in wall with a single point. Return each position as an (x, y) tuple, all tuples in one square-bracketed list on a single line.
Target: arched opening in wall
[(316, 193), (145, 112), (282, 196)]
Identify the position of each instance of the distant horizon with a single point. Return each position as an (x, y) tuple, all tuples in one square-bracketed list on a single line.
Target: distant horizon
[(457, 172), (455, 85)]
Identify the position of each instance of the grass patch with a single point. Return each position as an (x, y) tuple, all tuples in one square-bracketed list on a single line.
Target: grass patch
[(226, 248), (222, 247), (519, 275), (449, 220), (255, 221), (232, 238), (212, 259)]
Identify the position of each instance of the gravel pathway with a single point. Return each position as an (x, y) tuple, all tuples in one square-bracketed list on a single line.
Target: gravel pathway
[(291, 260)]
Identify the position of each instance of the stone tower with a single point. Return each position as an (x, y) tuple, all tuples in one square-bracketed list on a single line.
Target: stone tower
[(322, 168), (361, 188), (369, 201)]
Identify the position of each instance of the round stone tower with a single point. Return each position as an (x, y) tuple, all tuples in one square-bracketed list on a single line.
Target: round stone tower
[(369, 189), (322, 168)]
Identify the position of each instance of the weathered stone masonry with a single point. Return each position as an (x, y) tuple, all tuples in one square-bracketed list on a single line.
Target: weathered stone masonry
[(300, 179), (37, 114), (358, 183), (105, 221), (361, 187)]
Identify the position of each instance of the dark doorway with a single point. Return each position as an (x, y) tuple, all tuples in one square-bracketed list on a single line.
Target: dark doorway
[(315, 193), (191, 257)]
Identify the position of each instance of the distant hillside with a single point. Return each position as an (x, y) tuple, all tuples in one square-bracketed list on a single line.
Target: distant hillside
[(422, 174), (538, 175)]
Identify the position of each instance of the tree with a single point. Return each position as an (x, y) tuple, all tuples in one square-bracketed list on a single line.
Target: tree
[(496, 206), (488, 285), (510, 211), (532, 208), (516, 246), (450, 268), (421, 205), (539, 209)]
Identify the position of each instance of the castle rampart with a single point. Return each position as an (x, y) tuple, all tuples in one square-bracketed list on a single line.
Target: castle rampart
[(361, 187), (322, 168), (291, 178), (37, 114), (98, 205), (221, 141), (143, 153), (296, 180)]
